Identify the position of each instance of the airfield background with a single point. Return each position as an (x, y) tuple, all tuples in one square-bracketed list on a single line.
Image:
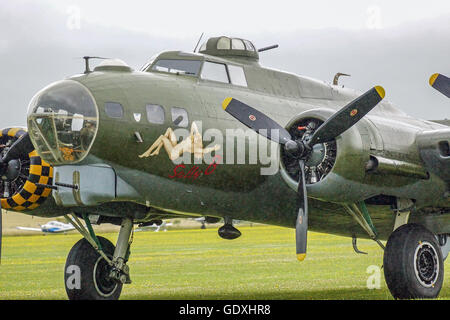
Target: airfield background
[(190, 263), (11, 220)]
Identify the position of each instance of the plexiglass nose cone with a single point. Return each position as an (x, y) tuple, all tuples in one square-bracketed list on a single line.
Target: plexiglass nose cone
[(63, 122)]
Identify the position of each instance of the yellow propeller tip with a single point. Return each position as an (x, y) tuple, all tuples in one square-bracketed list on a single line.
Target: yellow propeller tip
[(301, 256), (433, 78), (380, 91), (226, 102)]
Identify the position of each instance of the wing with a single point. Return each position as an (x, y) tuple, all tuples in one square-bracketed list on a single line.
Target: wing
[(29, 229)]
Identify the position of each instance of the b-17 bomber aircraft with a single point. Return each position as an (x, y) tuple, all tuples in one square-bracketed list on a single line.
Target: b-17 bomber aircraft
[(214, 134)]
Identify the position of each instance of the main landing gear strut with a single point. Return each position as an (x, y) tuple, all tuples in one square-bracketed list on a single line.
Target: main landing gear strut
[(413, 257), (95, 269)]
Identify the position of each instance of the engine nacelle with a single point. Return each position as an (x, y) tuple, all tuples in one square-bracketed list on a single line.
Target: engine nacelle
[(335, 170), (18, 189)]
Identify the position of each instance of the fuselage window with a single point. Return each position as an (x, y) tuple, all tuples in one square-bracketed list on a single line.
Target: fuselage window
[(155, 114), (215, 72), (114, 110), (237, 75), (180, 117), (187, 67)]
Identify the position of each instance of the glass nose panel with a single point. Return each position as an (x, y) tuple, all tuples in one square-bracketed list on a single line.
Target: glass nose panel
[(63, 122)]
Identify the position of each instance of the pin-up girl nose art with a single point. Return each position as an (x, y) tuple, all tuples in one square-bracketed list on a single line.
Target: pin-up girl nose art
[(192, 144)]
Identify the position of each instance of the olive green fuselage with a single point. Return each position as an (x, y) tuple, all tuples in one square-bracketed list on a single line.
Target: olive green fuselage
[(240, 191)]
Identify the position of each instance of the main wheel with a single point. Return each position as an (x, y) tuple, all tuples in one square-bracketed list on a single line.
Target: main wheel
[(86, 274), (413, 264)]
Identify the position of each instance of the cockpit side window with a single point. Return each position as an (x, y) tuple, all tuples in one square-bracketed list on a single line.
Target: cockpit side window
[(215, 72), (237, 75), (178, 66)]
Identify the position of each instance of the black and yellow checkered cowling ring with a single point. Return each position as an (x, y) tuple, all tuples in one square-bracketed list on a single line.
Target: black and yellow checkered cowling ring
[(29, 196)]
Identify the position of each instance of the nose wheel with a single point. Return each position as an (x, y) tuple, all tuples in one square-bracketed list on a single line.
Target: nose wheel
[(95, 269), (87, 274)]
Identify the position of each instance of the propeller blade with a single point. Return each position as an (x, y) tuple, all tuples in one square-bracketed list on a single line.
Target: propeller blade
[(256, 120), (22, 146), (441, 83), (347, 116), (301, 224)]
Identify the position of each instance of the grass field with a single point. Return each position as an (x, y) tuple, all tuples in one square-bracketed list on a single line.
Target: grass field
[(197, 264)]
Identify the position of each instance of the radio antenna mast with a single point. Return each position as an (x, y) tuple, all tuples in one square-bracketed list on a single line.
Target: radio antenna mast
[(198, 42)]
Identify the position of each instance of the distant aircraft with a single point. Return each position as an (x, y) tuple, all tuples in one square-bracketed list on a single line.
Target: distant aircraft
[(202, 220), (51, 227), (155, 227), (205, 220)]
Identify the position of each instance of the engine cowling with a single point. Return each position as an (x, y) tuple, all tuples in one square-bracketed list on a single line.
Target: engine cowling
[(335, 170), (18, 189)]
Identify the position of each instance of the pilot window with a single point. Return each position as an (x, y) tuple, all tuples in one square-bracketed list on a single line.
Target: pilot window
[(180, 117), (155, 114), (214, 71), (187, 67), (149, 63), (237, 75), (114, 110)]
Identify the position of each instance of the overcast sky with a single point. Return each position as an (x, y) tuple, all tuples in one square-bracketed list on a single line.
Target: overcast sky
[(397, 44)]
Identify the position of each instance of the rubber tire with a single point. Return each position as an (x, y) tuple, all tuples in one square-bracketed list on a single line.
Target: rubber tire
[(85, 257), (399, 263)]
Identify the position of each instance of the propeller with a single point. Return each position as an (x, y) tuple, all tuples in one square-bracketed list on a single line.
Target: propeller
[(441, 83), (22, 146), (301, 148)]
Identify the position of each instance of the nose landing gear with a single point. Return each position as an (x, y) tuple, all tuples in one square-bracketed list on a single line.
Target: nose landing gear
[(86, 274), (95, 269)]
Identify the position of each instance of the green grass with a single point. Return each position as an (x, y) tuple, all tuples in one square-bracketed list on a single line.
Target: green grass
[(197, 264)]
